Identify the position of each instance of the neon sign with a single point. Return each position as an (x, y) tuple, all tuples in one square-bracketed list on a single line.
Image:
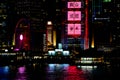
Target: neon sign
[(74, 29), (74, 4), (74, 15)]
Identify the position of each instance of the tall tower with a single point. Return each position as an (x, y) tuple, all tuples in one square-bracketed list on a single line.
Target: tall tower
[(51, 35), (115, 22), (75, 34), (4, 38), (104, 25)]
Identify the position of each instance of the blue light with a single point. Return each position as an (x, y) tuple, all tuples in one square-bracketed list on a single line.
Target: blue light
[(6, 69), (51, 53), (51, 67), (66, 53)]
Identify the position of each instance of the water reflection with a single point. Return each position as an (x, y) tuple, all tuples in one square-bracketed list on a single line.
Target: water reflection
[(64, 72), (4, 71), (21, 73), (54, 72)]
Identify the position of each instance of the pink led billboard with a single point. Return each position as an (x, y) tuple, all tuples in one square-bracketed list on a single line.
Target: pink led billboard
[(74, 29), (74, 4), (77, 29), (74, 15), (70, 29)]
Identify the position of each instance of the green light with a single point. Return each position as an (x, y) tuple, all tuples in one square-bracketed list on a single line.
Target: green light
[(106, 0)]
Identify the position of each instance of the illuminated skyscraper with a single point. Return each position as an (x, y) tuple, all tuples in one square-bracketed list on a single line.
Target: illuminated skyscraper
[(104, 22), (75, 30)]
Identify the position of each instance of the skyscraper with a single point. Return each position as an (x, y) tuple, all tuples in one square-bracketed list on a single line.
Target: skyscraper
[(115, 22), (99, 31), (75, 30), (5, 26), (104, 23), (3, 23)]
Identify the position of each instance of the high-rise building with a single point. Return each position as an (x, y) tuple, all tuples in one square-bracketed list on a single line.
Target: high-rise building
[(98, 28), (3, 23), (5, 26), (75, 29), (115, 22), (104, 22)]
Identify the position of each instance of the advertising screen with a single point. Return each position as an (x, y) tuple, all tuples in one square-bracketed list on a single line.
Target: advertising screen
[(74, 15), (70, 29), (77, 29), (74, 5), (74, 29)]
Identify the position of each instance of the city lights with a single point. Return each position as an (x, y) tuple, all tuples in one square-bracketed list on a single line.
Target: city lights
[(74, 29), (74, 4), (21, 37), (74, 15), (59, 39), (49, 23)]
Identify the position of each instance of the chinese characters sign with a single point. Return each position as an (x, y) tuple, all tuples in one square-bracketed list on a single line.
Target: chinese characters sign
[(74, 29), (74, 15), (74, 5)]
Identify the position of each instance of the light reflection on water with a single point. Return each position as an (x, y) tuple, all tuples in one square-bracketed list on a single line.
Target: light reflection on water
[(63, 72), (47, 72), (21, 74)]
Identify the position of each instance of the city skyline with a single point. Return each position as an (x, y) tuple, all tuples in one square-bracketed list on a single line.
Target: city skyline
[(102, 22), (59, 39)]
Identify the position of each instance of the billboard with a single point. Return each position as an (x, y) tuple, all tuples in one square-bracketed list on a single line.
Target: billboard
[(74, 29), (74, 15), (74, 4), (77, 29), (70, 29)]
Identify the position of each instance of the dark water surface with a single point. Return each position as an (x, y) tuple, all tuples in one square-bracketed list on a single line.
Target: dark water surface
[(57, 72)]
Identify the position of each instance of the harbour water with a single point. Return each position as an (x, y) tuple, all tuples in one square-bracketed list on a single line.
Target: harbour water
[(44, 71)]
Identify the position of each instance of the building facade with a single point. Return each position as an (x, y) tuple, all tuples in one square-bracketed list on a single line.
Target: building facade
[(104, 23), (6, 26), (35, 12), (75, 29)]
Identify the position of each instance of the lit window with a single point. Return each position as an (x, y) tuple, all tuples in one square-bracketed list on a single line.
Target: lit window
[(49, 23), (57, 9), (118, 27), (105, 10), (118, 21), (113, 35), (118, 5), (118, 11), (113, 38), (106, 0), (0, 10), (56, 0)]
